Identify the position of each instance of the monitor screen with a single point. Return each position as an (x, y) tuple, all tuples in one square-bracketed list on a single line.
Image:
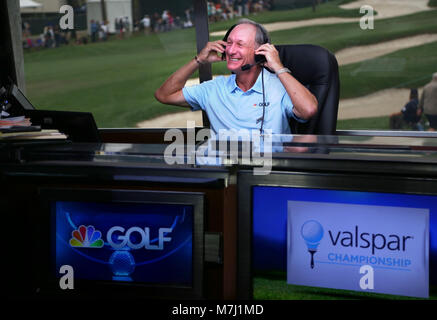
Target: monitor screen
[(130, 242), (140, 242), (308, 238)]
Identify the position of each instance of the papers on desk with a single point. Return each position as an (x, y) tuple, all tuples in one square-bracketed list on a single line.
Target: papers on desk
[(21, 121), (32, 135)]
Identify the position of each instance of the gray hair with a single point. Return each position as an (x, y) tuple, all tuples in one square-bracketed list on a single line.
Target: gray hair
[(262, 36)]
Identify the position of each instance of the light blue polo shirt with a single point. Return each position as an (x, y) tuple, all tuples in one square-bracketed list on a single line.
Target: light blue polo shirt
[(228, 107)]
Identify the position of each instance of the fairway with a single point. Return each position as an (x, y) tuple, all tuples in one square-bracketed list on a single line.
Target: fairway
[(116, 80), (113, 80)]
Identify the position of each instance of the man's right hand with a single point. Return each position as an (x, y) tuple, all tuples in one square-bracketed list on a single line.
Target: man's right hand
[(170, 91), (209, 53)]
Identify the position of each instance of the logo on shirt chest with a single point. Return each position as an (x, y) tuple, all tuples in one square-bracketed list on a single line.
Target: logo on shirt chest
[(261, 104)]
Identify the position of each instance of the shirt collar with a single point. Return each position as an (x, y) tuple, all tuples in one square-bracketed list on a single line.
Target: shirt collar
[(257, 87)]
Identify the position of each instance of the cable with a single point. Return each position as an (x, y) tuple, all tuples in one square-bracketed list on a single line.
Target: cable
[(264, 101)]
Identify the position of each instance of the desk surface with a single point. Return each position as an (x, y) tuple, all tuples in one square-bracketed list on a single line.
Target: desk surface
[(299, 152)]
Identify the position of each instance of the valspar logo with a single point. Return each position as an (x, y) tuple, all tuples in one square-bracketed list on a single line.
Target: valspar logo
[(328, 243), (374, 241), (312, 232)]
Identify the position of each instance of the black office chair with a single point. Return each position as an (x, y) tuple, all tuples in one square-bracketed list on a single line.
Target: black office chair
[(317, 69)]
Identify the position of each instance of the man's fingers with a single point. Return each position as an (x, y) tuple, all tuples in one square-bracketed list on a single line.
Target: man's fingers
[(213, 46), (267, 47), (217, 47)]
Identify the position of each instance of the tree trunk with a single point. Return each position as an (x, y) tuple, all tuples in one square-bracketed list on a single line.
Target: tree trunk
[(104, 18)]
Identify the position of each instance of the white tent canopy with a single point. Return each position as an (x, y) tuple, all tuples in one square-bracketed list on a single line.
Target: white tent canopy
[(29, 4)]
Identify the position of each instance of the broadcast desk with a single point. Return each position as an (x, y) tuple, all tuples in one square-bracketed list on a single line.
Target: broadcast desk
[(28, 172)]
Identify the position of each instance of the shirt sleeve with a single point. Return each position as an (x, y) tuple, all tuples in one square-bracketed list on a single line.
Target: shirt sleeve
[(194, 96), (288, 107), (197, 95)]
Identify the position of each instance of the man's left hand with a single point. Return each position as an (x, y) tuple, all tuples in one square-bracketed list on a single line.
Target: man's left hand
[(272, 56)]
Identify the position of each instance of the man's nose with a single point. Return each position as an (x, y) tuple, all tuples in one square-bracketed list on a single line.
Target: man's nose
[(230, 49)]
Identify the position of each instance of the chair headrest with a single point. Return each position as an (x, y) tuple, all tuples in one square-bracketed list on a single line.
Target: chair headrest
[(310, 64)]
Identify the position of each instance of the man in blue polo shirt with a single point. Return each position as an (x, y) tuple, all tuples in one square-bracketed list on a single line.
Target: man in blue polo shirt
[(236, 102)]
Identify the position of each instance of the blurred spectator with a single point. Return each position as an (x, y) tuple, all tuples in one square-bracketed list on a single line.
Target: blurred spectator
[(49, 41), (93, 30), (170, 21), (164, 21), (103, 31), (238, 7), (188, 14), (246, 5), (146, 24), (57, 36), (258, 6), (117, 27), (155, 22), (218, 10), (126, 25), (428, 102), (26, 29), (410, 115)]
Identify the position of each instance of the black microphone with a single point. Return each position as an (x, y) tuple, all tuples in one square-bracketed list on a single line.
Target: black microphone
[(258, 60)]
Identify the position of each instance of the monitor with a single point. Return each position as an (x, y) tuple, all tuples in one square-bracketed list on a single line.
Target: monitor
[(134, 242), (78, 126), (308, 236), (19, 98)]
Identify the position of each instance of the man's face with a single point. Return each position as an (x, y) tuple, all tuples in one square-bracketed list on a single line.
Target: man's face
[(240, 47)]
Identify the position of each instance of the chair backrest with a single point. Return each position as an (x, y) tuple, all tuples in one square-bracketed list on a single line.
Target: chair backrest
[(317, 69)]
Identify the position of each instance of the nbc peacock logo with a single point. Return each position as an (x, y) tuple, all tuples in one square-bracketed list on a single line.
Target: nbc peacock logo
[(86, 237)]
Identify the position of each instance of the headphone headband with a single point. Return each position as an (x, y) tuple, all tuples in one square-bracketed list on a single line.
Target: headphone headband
[(265, 36)]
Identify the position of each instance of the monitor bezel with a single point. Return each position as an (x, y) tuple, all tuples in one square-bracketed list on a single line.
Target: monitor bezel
[(309, 180), (47, 284)]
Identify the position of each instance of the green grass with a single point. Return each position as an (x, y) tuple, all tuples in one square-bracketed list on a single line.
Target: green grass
[(328, 9), (113, 80), (339, 36), (116, 80), (408, 68), (373, 123), (274, 287)]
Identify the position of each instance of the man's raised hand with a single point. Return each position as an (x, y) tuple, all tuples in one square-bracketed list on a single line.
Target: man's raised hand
[(210, 53)]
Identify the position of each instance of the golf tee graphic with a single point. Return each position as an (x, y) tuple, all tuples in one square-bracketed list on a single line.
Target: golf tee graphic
[(312, 233)]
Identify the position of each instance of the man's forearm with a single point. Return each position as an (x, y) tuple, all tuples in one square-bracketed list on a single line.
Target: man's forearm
[(176, 81), (304, 102)]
